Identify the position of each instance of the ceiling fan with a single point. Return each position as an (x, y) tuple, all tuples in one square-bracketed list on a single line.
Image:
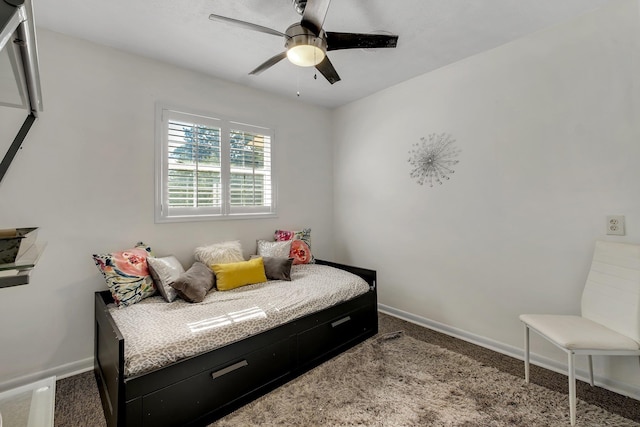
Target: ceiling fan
[(307, 43)]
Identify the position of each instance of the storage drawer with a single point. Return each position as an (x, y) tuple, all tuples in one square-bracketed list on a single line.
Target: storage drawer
[(320, 340), (194, 397)]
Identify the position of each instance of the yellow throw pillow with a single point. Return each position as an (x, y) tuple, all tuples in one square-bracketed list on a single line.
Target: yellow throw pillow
[(235, 274)]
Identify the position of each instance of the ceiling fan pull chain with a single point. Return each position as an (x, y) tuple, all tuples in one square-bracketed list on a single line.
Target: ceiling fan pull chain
[(315, 75)]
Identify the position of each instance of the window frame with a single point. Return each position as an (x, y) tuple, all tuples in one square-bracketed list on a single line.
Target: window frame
[(164, 113)]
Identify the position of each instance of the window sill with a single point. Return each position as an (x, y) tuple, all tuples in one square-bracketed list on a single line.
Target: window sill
[(196, 218)]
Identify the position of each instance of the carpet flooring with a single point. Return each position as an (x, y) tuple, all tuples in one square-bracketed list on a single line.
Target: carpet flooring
[(396, 380), (470, 390)]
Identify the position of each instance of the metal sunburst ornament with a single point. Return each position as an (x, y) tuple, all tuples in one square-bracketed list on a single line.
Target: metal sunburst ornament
[(432, 158)]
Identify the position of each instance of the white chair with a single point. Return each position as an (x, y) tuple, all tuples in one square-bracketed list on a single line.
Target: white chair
[(610, 320)]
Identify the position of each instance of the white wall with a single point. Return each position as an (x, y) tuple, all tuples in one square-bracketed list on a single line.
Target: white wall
[(86, 177), (550, 138)]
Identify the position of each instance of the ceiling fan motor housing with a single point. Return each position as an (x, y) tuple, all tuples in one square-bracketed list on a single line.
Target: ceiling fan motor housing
[(299, 5)]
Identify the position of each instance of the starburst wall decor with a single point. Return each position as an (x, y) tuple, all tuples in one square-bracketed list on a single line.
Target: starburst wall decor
[(432, 158)]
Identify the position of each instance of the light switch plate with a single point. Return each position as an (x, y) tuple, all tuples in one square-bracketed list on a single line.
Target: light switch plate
[(615, 225)]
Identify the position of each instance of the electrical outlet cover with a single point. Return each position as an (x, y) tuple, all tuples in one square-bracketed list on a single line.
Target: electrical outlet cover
[(615, 225)]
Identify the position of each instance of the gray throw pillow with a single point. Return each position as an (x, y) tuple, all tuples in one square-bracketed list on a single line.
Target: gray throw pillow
[(276, 268), (165, 271), (193, 284)]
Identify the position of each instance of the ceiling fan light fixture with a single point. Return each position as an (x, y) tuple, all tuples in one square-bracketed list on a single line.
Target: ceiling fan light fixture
[(304, 48), (305, 55)]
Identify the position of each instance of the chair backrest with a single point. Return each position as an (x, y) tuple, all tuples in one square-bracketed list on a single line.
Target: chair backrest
[(611, 295)]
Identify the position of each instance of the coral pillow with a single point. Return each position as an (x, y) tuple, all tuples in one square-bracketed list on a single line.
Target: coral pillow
[(235, 274), (127, 274), (300, 245)]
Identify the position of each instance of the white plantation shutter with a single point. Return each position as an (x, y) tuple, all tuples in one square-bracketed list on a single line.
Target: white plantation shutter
[(250, 169), (209, 167), (193, 165)]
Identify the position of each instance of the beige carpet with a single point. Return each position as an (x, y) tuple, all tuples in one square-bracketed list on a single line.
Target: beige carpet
[(396, 380), (426, 387)]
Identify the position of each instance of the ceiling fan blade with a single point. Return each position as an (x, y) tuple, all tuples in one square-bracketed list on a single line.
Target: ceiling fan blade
[(337, 41), (327, 70), (246, 25), (314, 13), (269, 63)]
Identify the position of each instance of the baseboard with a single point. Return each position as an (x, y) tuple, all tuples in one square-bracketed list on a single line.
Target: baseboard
[(518, 353), (62, 371)]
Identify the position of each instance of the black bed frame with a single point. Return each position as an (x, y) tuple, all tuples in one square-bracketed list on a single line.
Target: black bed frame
[(198, 390)]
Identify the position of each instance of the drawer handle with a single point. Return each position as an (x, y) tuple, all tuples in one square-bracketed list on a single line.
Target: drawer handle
[(340, 322), (229, 369)]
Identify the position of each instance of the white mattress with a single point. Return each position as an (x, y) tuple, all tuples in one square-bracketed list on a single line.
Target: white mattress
[(158, 333)]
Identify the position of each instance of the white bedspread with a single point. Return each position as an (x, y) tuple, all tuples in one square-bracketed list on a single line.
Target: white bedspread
[(158, 333)]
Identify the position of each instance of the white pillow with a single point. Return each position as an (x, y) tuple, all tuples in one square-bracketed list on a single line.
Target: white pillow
[(219, 253), (274, 249)]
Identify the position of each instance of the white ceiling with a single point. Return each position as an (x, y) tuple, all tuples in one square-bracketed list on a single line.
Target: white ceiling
[(432, 33)]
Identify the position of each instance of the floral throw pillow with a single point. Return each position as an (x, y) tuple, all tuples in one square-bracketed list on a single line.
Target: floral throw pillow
[(300, 245), (127, 274)]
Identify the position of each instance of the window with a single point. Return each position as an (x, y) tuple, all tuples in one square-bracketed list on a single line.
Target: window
[(211, 168)]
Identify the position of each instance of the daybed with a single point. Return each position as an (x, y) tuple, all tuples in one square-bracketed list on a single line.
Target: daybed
[(198, 389)]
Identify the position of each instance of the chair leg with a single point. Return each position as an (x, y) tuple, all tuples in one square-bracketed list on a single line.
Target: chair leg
[(526, 353), (591, 370), (572, 388)]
